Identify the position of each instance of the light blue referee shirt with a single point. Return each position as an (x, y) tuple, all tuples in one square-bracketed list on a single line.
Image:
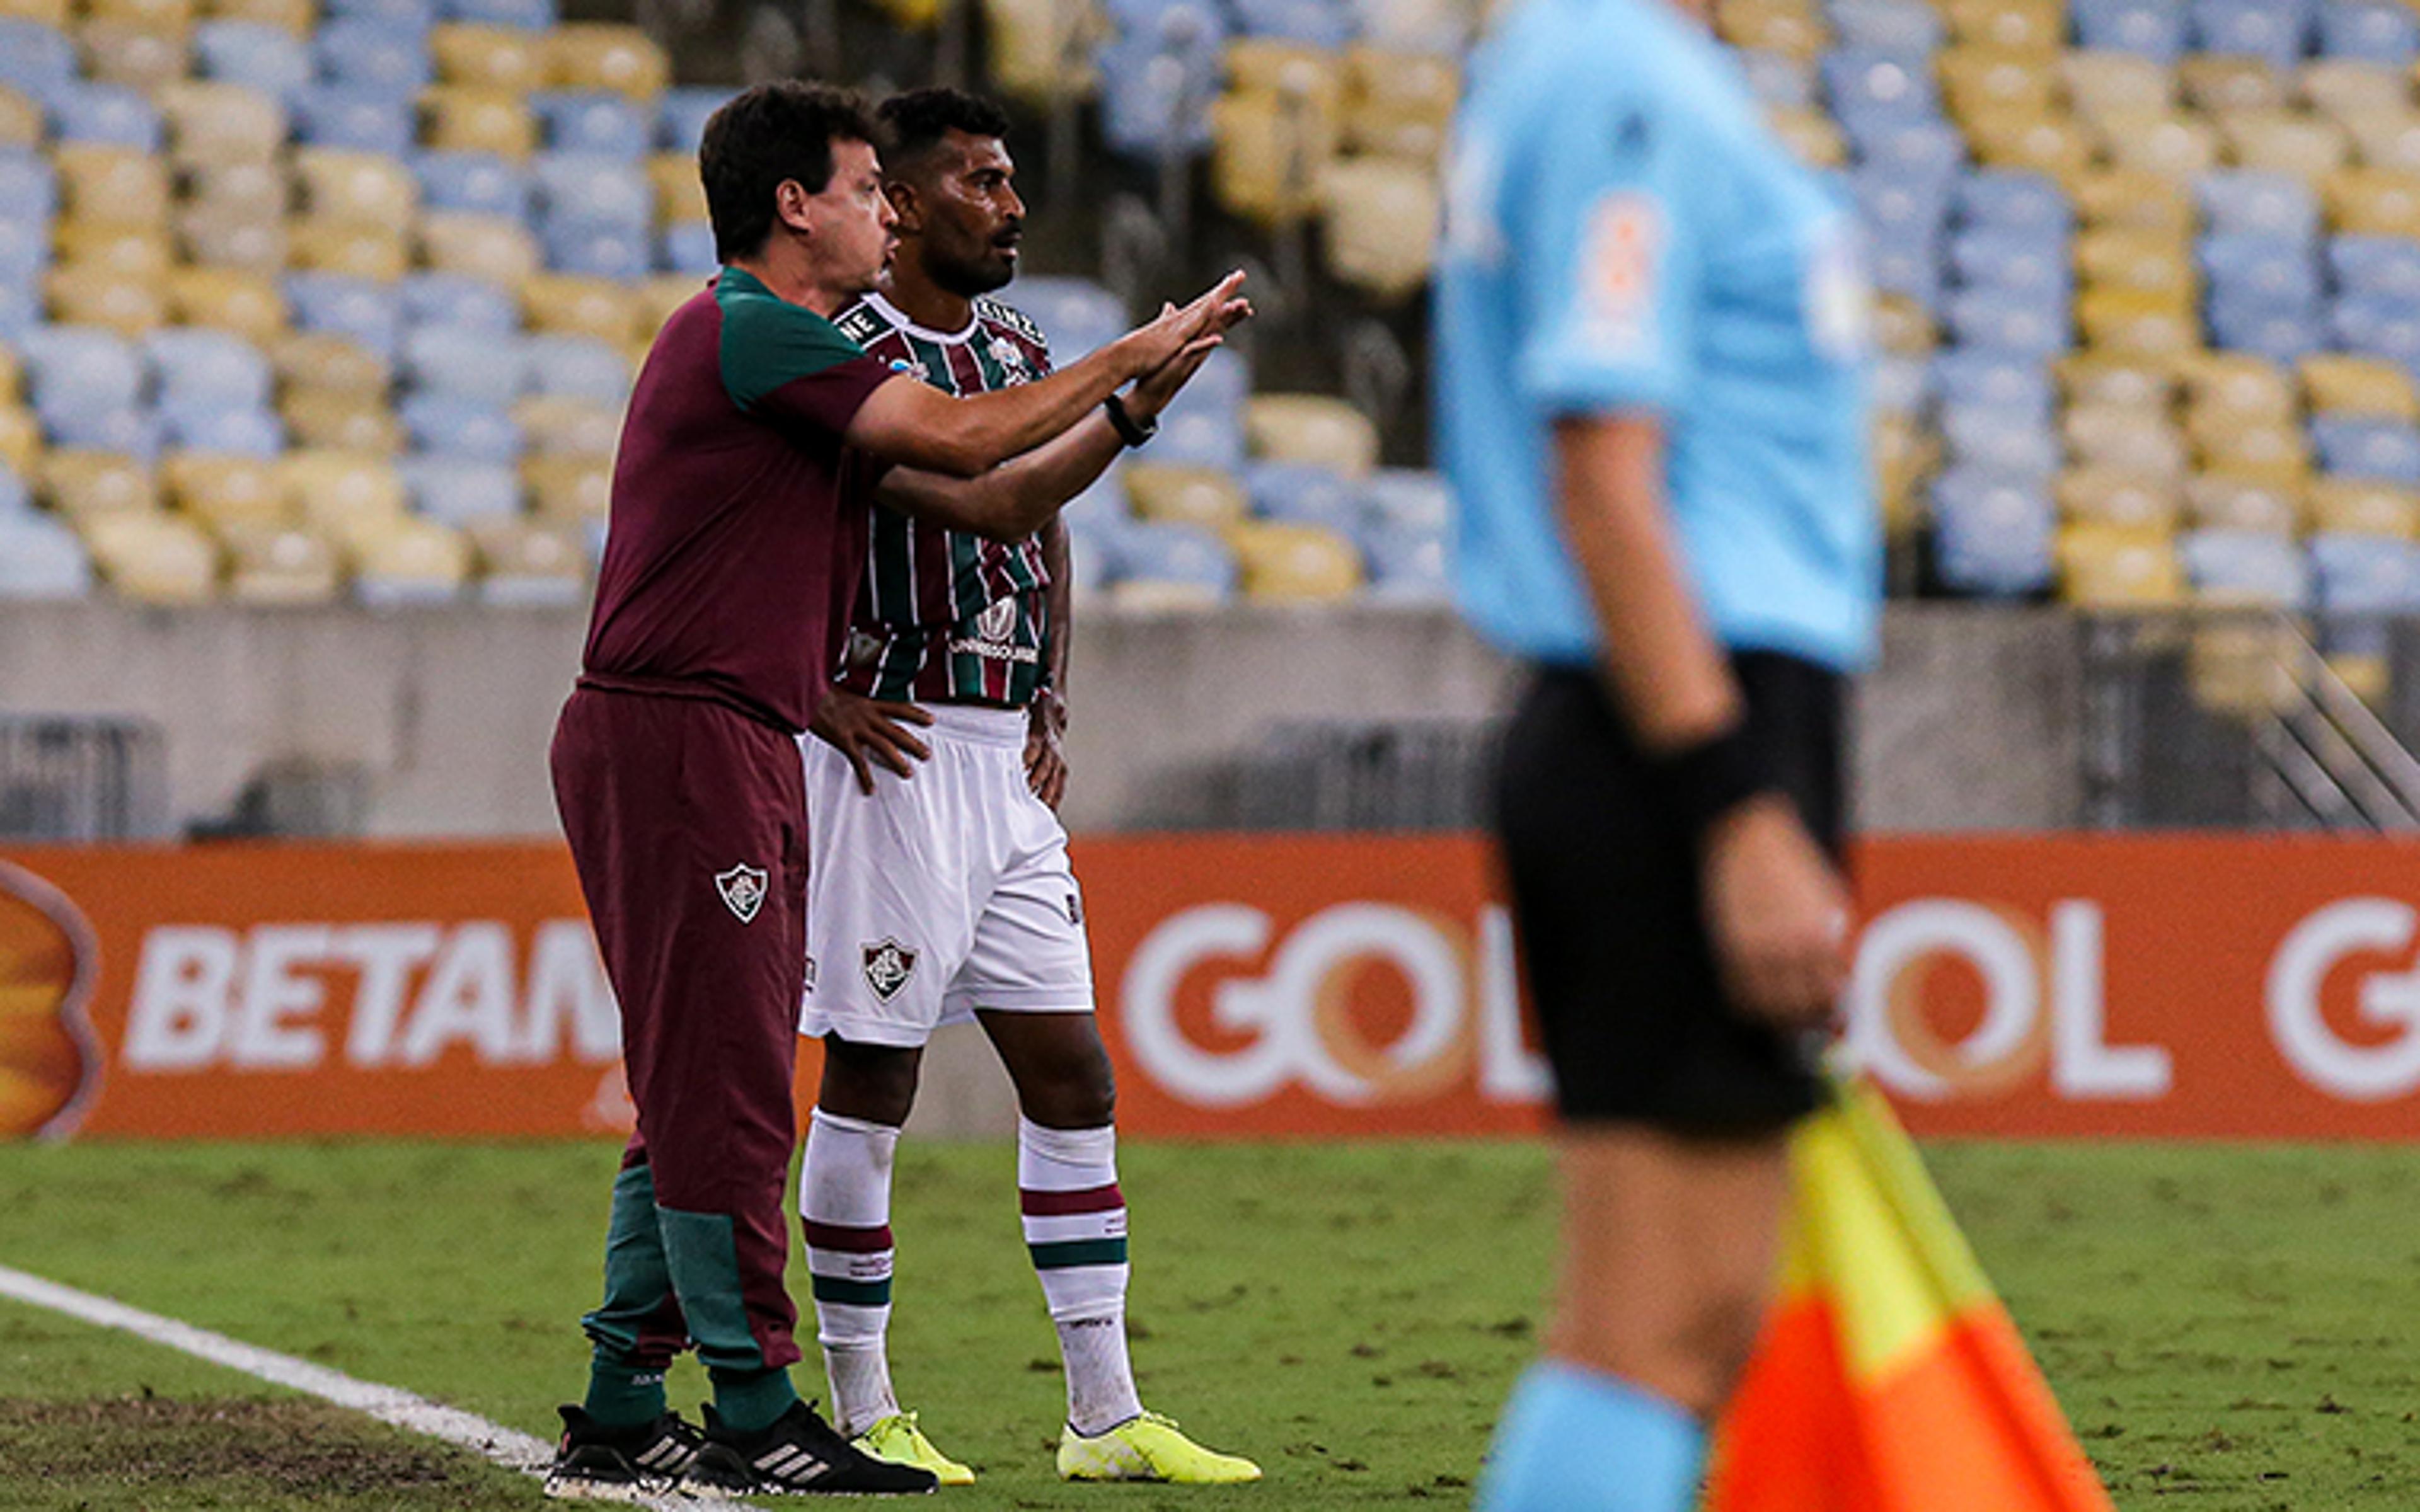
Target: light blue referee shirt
[(1624, 235)]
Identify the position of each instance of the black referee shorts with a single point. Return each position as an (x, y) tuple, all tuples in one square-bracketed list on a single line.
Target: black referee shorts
[(1605, 896)]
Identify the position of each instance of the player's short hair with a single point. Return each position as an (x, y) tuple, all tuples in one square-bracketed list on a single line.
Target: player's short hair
[(916, 122), (763, 136)]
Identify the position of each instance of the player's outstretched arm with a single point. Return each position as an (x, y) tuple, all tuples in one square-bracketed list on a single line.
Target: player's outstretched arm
[(917, 425)]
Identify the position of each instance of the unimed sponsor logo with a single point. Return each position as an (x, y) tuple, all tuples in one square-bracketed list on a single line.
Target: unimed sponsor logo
[(297, 996)]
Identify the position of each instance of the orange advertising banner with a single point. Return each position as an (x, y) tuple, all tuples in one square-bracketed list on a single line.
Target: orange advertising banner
[(1250, 986)]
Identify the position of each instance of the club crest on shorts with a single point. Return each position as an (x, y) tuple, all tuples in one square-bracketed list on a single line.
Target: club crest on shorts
[(743, 890), (887, 967)]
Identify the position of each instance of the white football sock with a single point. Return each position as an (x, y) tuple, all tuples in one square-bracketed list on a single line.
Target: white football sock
[(1075, 1231), (844, 1208)]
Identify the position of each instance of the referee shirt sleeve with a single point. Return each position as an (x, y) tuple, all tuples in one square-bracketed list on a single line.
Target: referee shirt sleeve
[(1607, 242)]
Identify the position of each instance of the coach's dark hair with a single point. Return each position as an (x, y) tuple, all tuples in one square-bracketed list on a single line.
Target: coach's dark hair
[(759, 138), (914, 123)]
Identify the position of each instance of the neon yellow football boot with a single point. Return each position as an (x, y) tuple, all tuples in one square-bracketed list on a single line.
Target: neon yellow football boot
[(898, 1439), (1148, 1448)]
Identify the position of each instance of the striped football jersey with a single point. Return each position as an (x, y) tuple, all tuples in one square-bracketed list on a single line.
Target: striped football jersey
[(943, 615)]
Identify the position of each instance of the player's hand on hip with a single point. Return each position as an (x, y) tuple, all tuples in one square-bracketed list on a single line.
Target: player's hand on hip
[(1778, 914), (866, 731), (1045, 749)]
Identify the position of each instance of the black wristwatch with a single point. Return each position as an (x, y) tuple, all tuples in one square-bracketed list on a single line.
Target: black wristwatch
[(1130, 430)]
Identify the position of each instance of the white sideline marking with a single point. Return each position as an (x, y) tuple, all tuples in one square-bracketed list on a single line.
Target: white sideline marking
[(508, 1447)]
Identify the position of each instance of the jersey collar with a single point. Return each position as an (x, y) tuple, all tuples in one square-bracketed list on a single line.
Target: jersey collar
[(894, 316)]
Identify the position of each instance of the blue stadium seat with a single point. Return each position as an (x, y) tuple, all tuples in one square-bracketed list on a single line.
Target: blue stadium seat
[(1993, 535), (1408, 499), (81, 367), (1317, 23), (1157, 77), (1219, 388), (16, 502), (2247, 566), (622, 253), (681, 116), (476, 182), (2000, 321), (1199, 440), (1407, 568), (595, 122), (29, 189), (1779, 81), (21, 311), (128, 431), (1901, 385), (1076, 314), (1931, 151), (2154, 28), (2009, 200), (2361, 446), (458, 302), (25, 253), (2373, 31), (383, 54), (457, 426), (2377, 325), (2021, 262), (2279, 332), (1910, 267), (367, 313), (2000, 443), (583, 189), (2388, 266), (104, 116), (465, 362), (1101, 511), (687, 247), (455, 490), (579, 367), (36, 59), (1899, 25), (1299, 495), (265, 58), (229, 429), (41, 558), (356, 117), (198, 365), (2010, 385), (2258, 270), (1894, 206), (1187, 555), (416, 15), (530, 15), (2238, 201), (2278, 31), (2366, 574), (1889, 84)]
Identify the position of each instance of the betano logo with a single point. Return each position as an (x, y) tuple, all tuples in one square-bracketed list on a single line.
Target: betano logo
[(50, 1064), (385, 996)]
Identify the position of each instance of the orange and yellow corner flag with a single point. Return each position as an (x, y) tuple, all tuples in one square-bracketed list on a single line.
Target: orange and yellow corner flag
[(1889, 1376)]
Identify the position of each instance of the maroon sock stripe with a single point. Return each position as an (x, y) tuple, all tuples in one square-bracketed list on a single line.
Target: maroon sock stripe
[(1060, 1204), (846, 1239)]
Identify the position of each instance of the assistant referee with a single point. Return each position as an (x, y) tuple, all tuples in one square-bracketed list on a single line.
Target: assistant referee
[(1651, 395)]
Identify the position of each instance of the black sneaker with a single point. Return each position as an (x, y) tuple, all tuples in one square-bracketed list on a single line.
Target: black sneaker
[(798, 1455), (596, 1463)]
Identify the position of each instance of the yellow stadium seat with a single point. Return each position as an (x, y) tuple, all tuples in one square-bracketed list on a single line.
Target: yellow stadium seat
[(2035, 27), (2103, 82), (1404, 135), (2387, 140), (1041, 50), (568, 488), (111, 184), (1270, 157), (1983, 81), (2221, 501), (354, 250), (81, 482), (260, 190), (2373, 202), (2338, 383), (1369, 203), (339, 421), (342, 493), (51, 13), (580, 307), (20, 121), (2113, 495), (13, 377), (1905, 456), (2216, 82), (2135, 439), (20, 439), (330, 363), (356, 188), (2134, 199), (153, 558), (135, 54), (2278, 141), (235, 241), (156, 13), (2237, 384), (2342, 87), (505, 59), (128, 303), (225, 490), (491, 247), (1412, 83), (296, 16), (681, 195), (2355, 507), (248, 304), (2155, 264), (1294, 563), (455, 119), (213, 122), (1811, 136), (1312, 428), (604, 55), (1182, 495), (1903, 327), (2100, 378), (2016, 138), (2174, 146), (2114, 566), (135, 251), (2136, 324), (528, 560), (556, 425), (410, 555), (2272, 452), (1270, 66), (280, 565), (1788, 28)]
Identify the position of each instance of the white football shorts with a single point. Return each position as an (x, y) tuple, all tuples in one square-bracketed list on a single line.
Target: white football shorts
[(942, 893)]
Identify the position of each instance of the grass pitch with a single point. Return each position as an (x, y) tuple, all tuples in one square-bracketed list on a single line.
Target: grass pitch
[(2226, 1323)]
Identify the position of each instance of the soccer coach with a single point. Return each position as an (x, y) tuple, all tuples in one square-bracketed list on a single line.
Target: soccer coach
[(730, 567), (1652, 390)]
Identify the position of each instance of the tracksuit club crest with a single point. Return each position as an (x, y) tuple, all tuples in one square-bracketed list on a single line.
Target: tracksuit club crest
[(743, 890), (887, 967)]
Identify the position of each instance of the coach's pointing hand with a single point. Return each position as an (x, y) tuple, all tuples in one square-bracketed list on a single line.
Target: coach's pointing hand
[(1778, 914), (866, 731)]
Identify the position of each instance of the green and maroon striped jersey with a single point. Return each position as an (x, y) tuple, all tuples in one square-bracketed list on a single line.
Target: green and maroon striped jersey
[(944, 616)]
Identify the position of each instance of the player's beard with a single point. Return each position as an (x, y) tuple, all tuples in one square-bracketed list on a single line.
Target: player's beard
[(973, 277)]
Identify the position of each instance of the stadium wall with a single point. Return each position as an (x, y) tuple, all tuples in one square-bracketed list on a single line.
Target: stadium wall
[(1970, 724)]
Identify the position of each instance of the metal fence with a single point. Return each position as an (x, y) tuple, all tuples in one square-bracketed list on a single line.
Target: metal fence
[(80, 779)]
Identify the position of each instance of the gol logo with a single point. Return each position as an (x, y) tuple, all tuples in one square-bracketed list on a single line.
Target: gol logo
[(48, 961), (1298, 1013)]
